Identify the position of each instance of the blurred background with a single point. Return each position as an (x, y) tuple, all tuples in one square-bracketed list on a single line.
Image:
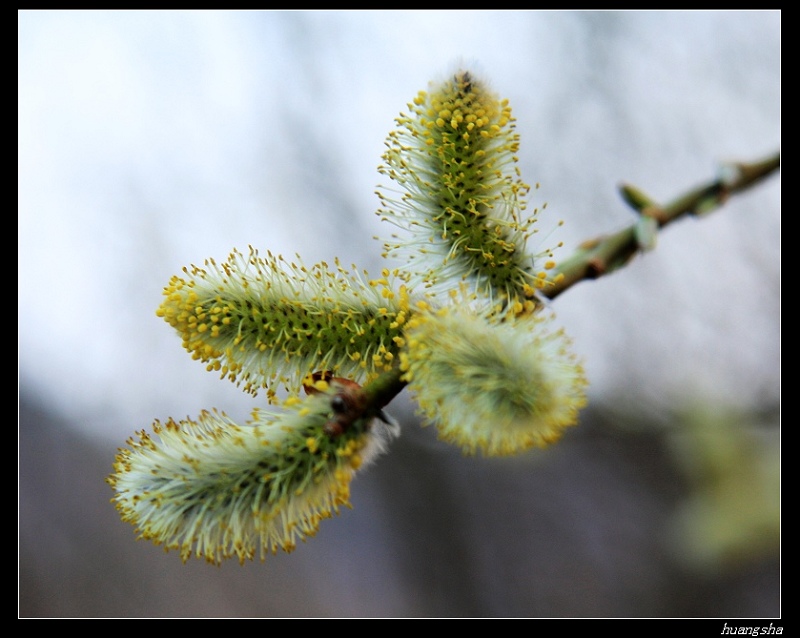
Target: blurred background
[(148, 141)]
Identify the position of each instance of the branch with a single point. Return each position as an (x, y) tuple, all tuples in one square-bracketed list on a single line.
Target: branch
[(602, 255)]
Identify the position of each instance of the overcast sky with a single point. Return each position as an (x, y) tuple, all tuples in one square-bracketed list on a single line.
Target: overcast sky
[(148, 141)]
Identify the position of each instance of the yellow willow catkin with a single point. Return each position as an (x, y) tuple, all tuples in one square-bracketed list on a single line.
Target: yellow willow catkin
[(215, 490), (459, 198), (493, 386), (258, 321)]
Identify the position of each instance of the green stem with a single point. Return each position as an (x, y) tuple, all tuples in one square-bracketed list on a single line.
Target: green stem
[(381, 391), (604, 254)]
